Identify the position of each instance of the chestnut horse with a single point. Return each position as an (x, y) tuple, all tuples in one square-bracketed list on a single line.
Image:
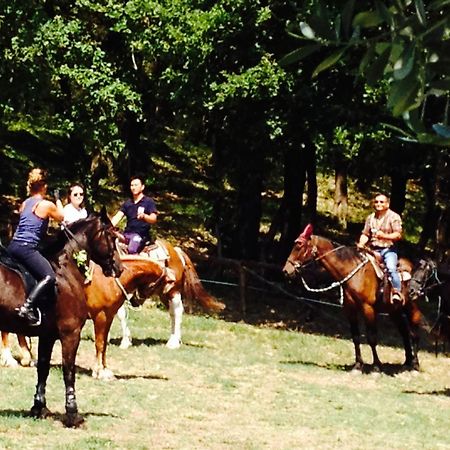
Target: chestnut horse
[(63, 318), (353, 272), (185, 285)]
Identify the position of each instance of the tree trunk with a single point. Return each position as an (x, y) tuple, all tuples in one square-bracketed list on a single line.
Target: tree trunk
[(341, 193), (292, 202)]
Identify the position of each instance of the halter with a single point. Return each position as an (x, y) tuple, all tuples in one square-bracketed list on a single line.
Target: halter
[(129, 295), (298, 268), (71, 237)]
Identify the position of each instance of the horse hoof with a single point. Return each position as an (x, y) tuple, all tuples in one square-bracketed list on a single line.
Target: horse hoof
[(73, 420), (40, 412), (357, 368), (412, 366), (125, 343), (7, 360), (103, 374), (173, 343)]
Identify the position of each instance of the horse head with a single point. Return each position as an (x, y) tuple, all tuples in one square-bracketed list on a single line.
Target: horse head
[(97, 235), (423, 273), (301, 253)]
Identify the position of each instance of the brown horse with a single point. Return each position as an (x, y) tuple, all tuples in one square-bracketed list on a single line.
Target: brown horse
[(105, 295), (170, 280), (352, 271), (64, 318), (183, 284), (432, 280)]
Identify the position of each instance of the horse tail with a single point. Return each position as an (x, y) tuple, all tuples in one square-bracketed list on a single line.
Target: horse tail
[(194, 291)]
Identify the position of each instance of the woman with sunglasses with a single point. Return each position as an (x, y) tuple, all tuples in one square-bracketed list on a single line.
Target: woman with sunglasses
[(75, 210), (382, 230)]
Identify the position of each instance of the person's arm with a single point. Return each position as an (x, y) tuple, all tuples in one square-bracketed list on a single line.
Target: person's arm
[(56, 212), (117, 218), (394, 236), (363, 240), (149, 218)]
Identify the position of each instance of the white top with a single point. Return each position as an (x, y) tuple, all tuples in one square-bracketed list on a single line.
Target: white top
[(72, 214)]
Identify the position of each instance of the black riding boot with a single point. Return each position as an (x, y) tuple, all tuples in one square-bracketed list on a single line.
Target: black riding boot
[(27, 310)]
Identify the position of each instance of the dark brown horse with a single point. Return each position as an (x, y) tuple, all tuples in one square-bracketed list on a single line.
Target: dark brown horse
[(432, 280), (355, 274), (64, 318)]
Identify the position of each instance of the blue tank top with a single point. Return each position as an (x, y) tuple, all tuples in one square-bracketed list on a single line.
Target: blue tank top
[(31, 228)]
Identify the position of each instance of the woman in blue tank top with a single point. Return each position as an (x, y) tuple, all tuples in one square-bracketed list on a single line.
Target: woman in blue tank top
[(35, 213)]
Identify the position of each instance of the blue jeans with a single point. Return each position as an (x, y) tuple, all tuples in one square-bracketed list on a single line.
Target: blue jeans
[(390, 259), (29, 256), (135, 242)]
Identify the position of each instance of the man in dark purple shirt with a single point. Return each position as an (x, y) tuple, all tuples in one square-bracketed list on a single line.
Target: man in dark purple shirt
[(140, 212)]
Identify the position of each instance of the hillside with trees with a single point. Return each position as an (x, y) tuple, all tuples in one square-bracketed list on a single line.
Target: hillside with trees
[(235, 111)]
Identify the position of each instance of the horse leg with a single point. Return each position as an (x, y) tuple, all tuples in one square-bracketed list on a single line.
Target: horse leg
[(352, 317), (69, 344), (6, 357), (39, 409), (176, 316), (26, 358), (410, 343), (102, 325), (126, 341), (371, 327)]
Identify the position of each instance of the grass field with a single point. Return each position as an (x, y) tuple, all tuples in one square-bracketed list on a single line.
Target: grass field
[(233, 386)]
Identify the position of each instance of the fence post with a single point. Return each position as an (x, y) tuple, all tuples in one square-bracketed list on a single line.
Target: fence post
[(243, 289)]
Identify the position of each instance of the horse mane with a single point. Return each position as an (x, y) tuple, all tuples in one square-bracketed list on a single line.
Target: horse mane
[(344, 252), (56, 243)]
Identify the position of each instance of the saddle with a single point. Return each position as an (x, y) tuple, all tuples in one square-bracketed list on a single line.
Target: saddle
[(385, 291), (6, 260), (156, 252)]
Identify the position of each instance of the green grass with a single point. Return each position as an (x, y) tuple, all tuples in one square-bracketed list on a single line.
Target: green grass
[(232, 386)]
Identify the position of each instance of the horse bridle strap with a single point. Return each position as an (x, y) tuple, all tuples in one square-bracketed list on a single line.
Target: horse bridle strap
[(338, 283), (129, 296)]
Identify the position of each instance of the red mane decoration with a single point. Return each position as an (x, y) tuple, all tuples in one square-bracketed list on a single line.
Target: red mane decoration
[(306, 233)]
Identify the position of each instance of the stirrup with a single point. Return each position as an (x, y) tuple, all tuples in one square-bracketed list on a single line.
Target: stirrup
[(33, 316)]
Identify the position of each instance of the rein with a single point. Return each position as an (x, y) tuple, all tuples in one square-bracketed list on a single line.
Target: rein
[(334, 284), (128, 295)]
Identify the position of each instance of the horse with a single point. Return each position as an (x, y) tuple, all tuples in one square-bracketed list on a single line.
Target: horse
[(357, 278), (6, 358), (106, 296), (184, 285), (63, 318), (432, 280)]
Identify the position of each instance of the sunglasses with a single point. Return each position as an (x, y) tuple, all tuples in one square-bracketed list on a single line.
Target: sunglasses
[(379, 201), (78, 194)]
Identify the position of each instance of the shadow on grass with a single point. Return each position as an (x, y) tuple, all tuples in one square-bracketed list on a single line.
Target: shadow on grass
[(445, 392), (149, 342), (88, 372), (387, 368), (56, 417)]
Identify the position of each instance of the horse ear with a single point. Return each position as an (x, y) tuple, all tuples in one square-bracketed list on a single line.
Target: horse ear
[(306, 233), (104, 215)]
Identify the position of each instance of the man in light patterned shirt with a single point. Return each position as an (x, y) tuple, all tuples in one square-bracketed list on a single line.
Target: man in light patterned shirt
[(383, 228)]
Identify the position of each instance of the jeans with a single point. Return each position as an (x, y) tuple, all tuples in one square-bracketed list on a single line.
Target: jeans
[(390, 259), (135, 242), (29, 256)]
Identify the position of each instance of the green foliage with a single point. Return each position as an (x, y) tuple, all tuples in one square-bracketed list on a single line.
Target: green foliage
[(401, 46)]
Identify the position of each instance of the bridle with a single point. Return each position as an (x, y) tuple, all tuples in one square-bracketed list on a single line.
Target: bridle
[(71, 237), (298, 267)]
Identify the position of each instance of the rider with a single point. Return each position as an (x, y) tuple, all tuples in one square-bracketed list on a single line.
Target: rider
[(383, 228), (74, 209), (35, 213), (140, 212)]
